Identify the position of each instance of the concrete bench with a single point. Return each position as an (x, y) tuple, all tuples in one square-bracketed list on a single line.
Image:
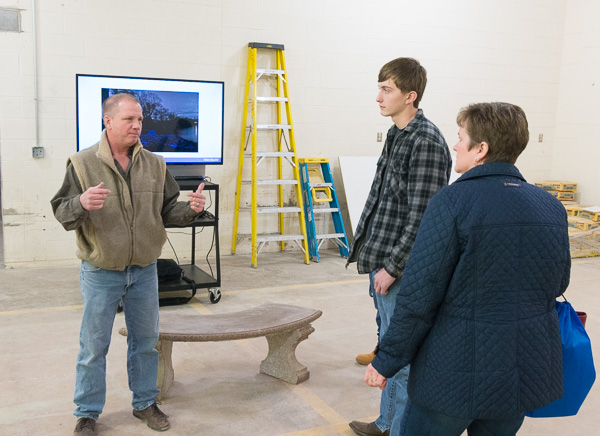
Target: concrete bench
[(283, 325)]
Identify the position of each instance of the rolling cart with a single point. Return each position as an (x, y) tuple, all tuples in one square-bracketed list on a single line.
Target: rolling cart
[(202, 279)]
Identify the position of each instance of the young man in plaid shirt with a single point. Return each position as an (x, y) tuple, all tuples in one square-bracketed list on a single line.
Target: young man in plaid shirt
[(414, 164)]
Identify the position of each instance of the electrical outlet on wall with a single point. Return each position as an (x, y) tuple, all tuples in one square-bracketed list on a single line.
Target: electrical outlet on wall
[(37, 152)]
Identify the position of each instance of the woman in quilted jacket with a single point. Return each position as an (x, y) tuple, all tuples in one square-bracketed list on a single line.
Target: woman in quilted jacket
[(475, 315)]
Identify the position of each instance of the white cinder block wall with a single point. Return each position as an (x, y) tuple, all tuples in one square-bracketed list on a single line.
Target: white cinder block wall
[(473, 51), (577, 145)]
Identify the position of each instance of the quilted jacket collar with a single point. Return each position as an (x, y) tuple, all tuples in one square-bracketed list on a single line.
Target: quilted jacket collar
[(491, 169)]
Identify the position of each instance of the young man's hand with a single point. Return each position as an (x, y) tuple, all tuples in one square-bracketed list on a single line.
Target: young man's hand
[(382, 281)]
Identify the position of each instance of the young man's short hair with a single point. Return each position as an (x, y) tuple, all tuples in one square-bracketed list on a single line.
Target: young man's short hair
[(407, 74), (503, 126)]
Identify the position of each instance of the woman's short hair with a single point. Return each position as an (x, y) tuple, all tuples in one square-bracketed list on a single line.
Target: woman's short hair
[(407, 74), (503, 126)]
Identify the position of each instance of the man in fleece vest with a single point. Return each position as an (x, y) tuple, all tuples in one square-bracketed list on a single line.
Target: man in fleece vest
[(118, 197)]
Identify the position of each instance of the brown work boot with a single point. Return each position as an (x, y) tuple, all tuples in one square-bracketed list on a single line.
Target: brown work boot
[(367, 429), (365, 359), (154, 418), (85, 427)]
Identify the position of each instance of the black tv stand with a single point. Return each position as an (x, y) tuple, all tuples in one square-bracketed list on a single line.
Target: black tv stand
[(202, 278), (185, 172), (200, 179)]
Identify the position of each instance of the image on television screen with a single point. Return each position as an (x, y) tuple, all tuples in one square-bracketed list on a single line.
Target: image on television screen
[(183, 119), (170, 119)]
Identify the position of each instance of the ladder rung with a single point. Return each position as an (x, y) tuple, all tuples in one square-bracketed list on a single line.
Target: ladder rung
[(271, 182), (277, 209), (331, 236), (272, 209), (271, 154), (320, 185), (318, 160), (277, 237), (269, 71), (325, 209), (273, 127), (270, 237), (270, 99), (277, 182)]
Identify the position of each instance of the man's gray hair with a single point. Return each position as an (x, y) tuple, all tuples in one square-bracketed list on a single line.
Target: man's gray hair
[(109, 107)]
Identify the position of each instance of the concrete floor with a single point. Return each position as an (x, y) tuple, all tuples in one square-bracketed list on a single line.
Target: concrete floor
[(218, 389)]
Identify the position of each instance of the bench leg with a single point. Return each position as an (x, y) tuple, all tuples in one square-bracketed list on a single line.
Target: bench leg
[(165, 368), (281, 361)]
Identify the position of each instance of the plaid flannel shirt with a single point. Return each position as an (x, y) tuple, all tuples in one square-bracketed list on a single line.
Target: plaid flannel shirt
[(414, 164)]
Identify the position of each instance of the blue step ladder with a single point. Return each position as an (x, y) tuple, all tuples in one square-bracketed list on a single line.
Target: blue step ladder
[(320, 197)]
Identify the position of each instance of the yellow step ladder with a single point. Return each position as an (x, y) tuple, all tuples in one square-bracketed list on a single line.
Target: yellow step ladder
[(276, 142)]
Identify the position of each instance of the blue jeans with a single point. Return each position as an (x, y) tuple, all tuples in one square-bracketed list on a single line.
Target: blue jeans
[(102, 291), (377, 316), (419, 421), (394, 396)]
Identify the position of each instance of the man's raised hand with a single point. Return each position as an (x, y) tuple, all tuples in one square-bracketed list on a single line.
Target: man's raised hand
[(93, 198), (197, 199)]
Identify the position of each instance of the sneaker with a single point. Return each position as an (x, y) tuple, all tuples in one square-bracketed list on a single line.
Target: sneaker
[(365, 359), (85, 427), (154, 418), (367, 429)]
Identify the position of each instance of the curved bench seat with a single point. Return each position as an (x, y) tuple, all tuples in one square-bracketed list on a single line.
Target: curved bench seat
[(283, 325)]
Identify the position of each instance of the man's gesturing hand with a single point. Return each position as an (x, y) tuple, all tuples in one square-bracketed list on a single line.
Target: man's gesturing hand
[(93, 198), (197, 199)]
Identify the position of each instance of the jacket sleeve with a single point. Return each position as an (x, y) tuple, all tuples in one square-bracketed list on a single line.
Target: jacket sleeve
[(429, 171), (567, 269), (424, 284), (66, 205), (173, 211)]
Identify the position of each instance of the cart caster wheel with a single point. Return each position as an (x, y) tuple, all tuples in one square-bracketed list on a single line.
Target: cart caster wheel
[(214, 295)]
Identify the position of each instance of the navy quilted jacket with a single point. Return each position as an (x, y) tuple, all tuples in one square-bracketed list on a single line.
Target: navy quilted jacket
[(475, 314)]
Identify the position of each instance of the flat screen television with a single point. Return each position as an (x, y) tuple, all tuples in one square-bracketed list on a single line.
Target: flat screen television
[(183, 119)]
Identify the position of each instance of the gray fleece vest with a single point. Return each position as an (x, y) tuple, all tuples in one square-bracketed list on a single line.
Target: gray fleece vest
[(128, 230)]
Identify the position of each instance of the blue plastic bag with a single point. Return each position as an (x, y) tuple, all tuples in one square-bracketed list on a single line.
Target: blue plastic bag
[(578, 365)]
